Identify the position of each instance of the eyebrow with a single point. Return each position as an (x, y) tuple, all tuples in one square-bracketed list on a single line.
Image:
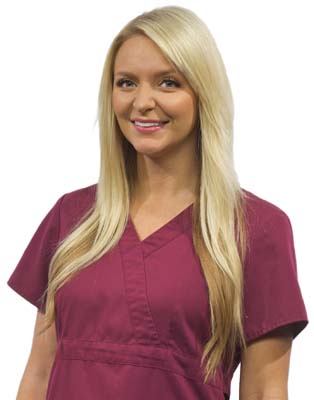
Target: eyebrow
[(157, 74)]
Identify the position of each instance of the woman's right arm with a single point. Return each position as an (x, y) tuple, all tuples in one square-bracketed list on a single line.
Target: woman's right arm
[(35, 378)]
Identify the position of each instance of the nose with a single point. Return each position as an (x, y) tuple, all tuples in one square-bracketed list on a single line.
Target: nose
[(143, 98)]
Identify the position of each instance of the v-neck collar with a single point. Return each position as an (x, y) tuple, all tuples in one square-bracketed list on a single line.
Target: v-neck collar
[(174, 227)]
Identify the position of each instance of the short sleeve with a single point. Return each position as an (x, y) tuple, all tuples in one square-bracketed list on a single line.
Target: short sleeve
[(272, 294), (30, 277)]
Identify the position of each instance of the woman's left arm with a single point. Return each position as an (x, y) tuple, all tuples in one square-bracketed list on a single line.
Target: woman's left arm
[(264, 367)]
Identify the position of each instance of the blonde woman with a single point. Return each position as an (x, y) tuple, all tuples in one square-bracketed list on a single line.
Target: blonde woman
[(157, 281)]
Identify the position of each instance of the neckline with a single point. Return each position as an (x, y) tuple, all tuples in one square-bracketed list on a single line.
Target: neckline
[(174, 226)]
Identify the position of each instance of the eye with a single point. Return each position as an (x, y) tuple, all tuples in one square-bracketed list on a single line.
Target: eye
[(172, 81), (120, 82)]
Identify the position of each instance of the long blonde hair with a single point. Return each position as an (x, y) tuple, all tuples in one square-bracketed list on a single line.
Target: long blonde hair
[(219, 230)]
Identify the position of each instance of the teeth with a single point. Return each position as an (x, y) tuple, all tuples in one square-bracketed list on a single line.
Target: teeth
[(147, 124)]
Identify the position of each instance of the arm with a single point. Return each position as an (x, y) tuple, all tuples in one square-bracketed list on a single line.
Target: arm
[(265, 367), (35, 379)]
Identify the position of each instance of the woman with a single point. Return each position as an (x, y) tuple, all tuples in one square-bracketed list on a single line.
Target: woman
[(156, 282)]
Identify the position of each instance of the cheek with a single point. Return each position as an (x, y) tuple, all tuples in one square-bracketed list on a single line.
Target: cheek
[(119, 104), (180, 106), (115, 103)]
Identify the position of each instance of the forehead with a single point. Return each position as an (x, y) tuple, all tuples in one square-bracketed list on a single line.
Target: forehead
[(139, 54)]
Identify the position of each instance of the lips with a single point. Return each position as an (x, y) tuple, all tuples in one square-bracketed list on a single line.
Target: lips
[(150, 121), (159, 122)]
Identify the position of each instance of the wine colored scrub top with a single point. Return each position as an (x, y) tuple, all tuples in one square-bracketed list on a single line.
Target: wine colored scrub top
[(133, 324)]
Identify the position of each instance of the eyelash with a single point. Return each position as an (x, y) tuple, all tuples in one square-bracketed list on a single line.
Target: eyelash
[(169, 79)]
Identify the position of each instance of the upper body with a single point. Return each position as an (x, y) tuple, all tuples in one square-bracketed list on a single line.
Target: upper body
[(139, 316)]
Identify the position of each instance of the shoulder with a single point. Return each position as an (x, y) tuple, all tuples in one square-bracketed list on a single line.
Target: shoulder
[(79, 198), (263, 216), (74, 205)]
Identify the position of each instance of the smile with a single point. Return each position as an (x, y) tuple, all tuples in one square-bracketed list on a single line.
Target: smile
[(150, 127)]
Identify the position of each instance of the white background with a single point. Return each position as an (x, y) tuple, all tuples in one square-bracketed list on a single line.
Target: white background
[(52, 55)]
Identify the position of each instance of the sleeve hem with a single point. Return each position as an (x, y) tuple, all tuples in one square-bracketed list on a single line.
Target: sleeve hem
[(299, 322), (36, 259), (22, 294)]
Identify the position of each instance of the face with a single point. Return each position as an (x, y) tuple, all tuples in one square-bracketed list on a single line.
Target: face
[(142, 89)]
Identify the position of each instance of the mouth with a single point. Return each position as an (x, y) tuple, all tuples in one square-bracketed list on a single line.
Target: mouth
[(159, 122), (150, 128)]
